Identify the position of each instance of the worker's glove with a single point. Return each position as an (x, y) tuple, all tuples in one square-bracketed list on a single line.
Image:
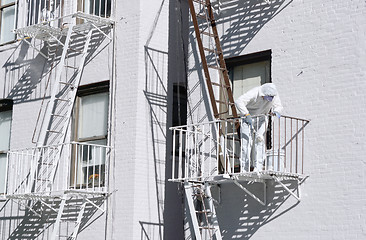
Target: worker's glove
[(248, 119), (277, 114)]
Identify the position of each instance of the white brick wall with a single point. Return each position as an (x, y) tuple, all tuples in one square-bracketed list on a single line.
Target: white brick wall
[(318, 57)]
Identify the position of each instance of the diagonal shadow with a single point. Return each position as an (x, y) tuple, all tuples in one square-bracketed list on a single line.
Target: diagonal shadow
[(28, 73), (243, 20), (156, 96), (242, 217), (32, 226)]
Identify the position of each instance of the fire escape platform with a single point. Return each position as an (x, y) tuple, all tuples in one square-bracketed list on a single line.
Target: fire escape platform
[(256, 177), (45, 31), (55, 194)]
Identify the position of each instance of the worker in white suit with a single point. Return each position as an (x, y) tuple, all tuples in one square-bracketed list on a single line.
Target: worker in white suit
[(253, 107)]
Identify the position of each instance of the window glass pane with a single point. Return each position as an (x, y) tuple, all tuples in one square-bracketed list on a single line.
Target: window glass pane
[(93, 115), (246, 77), (7, 24), (5, 122), (4, 2), (98, 7), (91, 162), (2, 172)]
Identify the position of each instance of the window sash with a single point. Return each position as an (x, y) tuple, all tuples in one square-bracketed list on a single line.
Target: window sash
[(5, 124), (90, 126), (92, 117), (7, 20)]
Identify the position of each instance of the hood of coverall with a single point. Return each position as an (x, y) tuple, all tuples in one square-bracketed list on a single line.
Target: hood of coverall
[(268, 89)]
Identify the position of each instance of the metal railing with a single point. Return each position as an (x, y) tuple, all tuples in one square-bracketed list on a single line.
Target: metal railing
[(205, 150), (80, 167), (32, 12)]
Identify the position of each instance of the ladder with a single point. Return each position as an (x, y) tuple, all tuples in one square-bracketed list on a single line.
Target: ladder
[(62, 216), (58, 110), (212, 59), (202, 211)]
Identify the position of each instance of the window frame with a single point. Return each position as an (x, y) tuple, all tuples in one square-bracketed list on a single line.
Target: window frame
[(6, 105), (2, 7), (85, 90), (247, 59)]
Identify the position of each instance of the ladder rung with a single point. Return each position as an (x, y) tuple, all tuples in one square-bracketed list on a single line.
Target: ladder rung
[(228, 103), (209, 50), (207, 227), (66, 83), (44, 180), (48, 164), (203, 17), (208, 34), (76, 50), (67, 220), (61, 99), (58, 115), (207, 211), (199, 1), (220, 113), (216, 67), (68, 66), (52, 131), (218, 84)]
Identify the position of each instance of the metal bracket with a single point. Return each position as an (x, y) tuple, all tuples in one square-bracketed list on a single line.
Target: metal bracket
[(298, 196), (264, 202), (29, 208), (34, 47)]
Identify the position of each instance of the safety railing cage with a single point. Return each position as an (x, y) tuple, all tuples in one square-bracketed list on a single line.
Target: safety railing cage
[(31, 12), (79, 167), (205, 150)]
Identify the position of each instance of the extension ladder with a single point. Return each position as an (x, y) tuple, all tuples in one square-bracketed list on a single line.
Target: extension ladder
[(202, 211), (212, 59)]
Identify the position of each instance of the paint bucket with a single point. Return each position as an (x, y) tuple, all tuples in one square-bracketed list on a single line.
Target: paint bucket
[(275, 160)]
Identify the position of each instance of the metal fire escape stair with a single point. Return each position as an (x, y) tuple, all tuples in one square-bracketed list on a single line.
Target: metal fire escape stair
[(59, 108), (62, 216), (202, 211), (212, 59), (75, 40)]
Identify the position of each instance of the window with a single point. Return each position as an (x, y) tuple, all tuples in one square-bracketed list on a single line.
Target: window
[(90, 131), (249, 71), (5, 124), (7, 21), (100, 8)]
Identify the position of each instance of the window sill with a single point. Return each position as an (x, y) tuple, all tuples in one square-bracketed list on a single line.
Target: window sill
[(8, 45)]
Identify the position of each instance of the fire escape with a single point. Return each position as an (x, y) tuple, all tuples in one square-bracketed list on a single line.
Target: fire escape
[(59, 181), (208, 154)]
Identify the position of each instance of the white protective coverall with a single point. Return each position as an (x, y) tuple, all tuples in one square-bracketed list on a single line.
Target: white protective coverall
[(252, 142)]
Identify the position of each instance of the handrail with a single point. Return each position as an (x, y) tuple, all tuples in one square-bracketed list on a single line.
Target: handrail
[(81, 166), (205, 150)]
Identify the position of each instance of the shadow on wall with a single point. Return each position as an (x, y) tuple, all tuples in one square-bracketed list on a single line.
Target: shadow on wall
[(26, 224), (243, 20), (24, 71), (29, 75), (240, 216), (156, 96)]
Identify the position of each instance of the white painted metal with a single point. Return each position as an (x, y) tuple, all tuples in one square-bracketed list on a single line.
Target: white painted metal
[(25, 161), (263, 202), (58, 218), (78, 221), (192, 209), (208, 144), (214, 221), (298, 197), (208, 227)]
